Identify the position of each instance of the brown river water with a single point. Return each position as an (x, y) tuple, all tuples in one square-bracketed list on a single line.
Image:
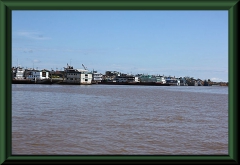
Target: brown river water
[(119, 120)]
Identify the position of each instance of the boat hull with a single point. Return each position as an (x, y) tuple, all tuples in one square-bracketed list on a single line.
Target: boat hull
[(26, 81)]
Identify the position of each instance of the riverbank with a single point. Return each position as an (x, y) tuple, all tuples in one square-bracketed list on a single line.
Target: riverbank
[(59, 81)]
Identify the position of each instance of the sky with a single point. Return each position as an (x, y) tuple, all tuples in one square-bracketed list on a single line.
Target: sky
[(154, 42)]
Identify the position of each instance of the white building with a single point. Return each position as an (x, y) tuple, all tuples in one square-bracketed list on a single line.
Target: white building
[(136, 79), (160, 79), (77, 76), (127, 78), (37, 74)]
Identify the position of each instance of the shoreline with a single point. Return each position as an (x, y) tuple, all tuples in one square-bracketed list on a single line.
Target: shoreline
[(60, 82)]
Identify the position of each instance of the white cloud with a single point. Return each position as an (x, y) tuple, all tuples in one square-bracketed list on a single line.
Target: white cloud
[(32, 35), (58, 49), (36, 61), (214, 79)]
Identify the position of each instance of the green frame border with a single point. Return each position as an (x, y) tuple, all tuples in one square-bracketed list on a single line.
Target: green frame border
[(6, 6)]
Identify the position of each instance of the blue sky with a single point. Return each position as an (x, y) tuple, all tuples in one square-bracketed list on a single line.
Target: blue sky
[(175, 43)]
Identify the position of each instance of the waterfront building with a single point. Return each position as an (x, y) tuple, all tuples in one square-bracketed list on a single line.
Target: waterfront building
[(127, 78), (173, 81), (37, 74), (206, 83), (121, 79), (136, 79), (160, 79), (183, 81), (112, 73), (79, 76), (110, 76), (199, 82)]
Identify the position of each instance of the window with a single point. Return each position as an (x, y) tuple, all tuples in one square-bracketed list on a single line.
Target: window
[(86, 79)]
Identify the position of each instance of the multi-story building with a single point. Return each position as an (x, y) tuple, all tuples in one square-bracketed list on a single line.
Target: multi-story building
[(37, 74), (77, 76), (160, 79), (126, 78)]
